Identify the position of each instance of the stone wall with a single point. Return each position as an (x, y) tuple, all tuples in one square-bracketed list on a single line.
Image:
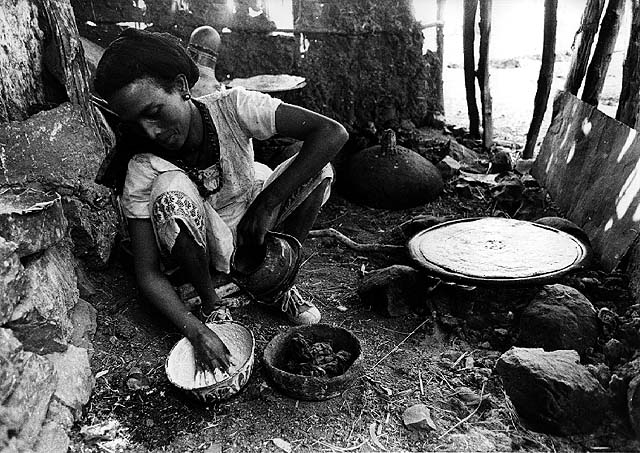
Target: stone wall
[(363, 59), (45, 329), (54, 220)]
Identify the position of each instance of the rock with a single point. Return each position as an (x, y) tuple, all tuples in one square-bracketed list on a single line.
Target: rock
[(500, 161), (565, 225), (559, 317), (633, 404), (393, 290), (475, 440), (609, 321), (523, 166), (11, 363), (449, 167), (601, 372), (137, 380), (86, 287), (469, 160), (614, 351), (93, 231), (418, 416), (75, 380), (51, 289), (461, 153), (32, 219), (84, 324), (52, 439), (468, 396), (25, 409), (54, 148), (57, 150), (552, 390), (12, 279), (60, 413), (40, 336)]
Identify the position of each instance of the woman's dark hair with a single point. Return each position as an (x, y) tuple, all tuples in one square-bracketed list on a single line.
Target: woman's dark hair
[(138, 54)]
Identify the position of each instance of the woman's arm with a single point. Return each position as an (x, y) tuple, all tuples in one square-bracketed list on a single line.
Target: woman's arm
[(210, 352), (322, 139)]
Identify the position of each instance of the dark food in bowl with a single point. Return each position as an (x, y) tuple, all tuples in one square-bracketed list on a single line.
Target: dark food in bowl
[(278, 353), (315, 359)]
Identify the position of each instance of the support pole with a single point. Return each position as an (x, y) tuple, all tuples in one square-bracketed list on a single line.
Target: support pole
[(545, 77), (440, 50), (483, 74), (630, 94), (599, 65), (582, 42), (468, 38)]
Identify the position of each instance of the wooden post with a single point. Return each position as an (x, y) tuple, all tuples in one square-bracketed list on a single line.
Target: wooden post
[(582, 43), (483, 74), (545, 77), (468, 38), (599, 65), (440, 49), (630, 94)]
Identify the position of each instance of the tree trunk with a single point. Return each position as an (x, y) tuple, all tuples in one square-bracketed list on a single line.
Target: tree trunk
[(468, 38), (582, 43), (602, 54), (483, 74), (630, 94), (546, 76), (64, 55), (440, 49)]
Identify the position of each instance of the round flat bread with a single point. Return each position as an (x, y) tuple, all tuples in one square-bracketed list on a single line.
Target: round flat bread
[(496, 249), (268, 83)]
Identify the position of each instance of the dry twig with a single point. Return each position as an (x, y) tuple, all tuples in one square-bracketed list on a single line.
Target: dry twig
[(467, 417), (333, 233)]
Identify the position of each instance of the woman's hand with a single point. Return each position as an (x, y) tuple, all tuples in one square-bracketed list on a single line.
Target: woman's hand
[(259, 218), (210, 352)]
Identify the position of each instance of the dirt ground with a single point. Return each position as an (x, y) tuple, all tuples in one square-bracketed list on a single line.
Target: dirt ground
[(407, 360)]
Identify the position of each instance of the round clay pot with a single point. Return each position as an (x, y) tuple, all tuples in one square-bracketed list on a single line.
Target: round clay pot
[(312, 388), (267, 272), (389, 176)]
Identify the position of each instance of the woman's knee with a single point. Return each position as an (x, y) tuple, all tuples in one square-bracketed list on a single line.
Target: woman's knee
[(175, 208)]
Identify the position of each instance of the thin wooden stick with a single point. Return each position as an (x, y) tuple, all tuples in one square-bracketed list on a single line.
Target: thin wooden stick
[(467, 417), (333, 233), (400, 344)]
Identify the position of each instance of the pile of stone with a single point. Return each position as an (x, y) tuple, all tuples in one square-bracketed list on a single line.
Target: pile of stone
[(54, 221)]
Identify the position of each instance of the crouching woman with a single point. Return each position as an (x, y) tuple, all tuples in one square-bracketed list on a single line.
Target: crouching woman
[(195, 193)]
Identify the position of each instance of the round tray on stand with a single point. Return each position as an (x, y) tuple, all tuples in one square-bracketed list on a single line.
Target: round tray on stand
[(497, 251)]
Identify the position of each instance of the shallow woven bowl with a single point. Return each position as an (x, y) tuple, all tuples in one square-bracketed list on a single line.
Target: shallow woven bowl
[(241, 344), (313, 388), (274, 274)]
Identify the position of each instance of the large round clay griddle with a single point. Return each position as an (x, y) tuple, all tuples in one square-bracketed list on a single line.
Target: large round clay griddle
[(495, 250)]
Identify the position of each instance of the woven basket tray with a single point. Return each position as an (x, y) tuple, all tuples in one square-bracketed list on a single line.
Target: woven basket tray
[(495, 250)]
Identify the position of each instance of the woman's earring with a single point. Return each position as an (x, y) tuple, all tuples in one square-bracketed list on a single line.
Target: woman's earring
[(186, 96)]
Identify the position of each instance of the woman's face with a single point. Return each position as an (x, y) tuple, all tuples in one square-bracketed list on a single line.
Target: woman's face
[(164, 117)]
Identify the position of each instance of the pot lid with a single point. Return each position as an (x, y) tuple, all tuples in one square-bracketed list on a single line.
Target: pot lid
[(496, 250)]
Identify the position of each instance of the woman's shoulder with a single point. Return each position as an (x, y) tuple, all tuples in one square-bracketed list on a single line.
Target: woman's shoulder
[(149, 163), (236, 96)]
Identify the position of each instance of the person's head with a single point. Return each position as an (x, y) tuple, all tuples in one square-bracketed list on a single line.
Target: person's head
[(203, 46), (146, 78)]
